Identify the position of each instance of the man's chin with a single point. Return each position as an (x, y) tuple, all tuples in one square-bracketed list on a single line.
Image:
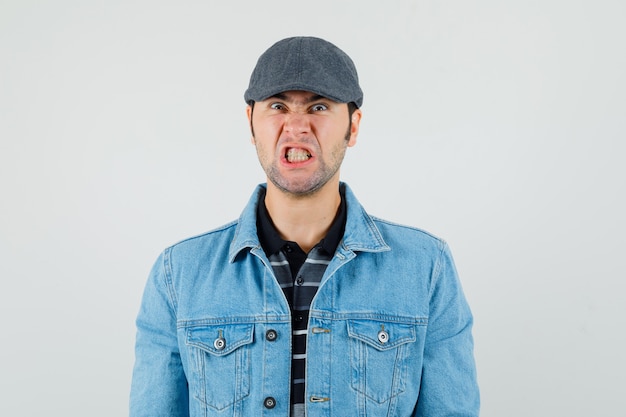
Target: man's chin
[(296, 189)]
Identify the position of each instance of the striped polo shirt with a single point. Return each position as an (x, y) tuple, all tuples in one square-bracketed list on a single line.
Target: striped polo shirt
[(299, 275)]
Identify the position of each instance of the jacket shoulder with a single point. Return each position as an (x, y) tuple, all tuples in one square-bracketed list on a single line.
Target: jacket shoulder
[(213, 237), (408, 234)]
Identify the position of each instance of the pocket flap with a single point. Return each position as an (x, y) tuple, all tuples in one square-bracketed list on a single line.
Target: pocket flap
[(220, 339), (381, 335)]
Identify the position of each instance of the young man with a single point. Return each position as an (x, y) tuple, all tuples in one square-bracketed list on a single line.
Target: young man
[(306, 305)]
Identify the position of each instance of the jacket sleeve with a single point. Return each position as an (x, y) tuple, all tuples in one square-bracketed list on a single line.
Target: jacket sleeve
[(159, 385), (449, 387)]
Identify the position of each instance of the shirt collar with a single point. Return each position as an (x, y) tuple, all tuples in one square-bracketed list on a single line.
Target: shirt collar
[(360, 234)]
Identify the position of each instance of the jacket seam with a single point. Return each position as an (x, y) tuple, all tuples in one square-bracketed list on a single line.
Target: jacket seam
[(167, 272), (437, 268)]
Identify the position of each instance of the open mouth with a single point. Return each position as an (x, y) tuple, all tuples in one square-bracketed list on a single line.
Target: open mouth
[(294, 155)]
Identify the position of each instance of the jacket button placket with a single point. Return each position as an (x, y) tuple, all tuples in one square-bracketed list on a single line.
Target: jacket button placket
[(276, 367), (318, 378)]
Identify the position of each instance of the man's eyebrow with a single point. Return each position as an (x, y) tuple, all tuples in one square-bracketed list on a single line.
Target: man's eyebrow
[(315, 97)]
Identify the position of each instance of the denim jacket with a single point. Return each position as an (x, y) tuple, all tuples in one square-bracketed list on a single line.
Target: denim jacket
[(389, 331)]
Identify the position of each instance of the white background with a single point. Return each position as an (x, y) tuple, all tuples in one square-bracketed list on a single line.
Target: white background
[(497, 125)]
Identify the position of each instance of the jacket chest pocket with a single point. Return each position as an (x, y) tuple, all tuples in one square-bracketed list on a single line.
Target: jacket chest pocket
[(378, 352), (221, 363)]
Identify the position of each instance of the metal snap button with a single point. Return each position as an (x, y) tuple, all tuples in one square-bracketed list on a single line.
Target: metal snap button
[(271, 335), (269, 403), (299, 280), (383, 336), (219, 343)]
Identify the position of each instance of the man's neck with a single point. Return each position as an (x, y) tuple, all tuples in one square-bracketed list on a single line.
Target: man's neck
[(303, 219)]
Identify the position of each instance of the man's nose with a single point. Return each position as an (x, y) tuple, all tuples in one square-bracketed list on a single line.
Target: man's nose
[(297, 123)]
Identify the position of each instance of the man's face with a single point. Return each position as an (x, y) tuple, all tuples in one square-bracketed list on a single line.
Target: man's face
[(301, 139)]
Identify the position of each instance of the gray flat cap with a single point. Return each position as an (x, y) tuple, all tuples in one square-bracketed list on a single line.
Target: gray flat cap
[(305, 64)]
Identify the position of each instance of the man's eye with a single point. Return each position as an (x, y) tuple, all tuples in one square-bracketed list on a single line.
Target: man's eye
[(319, 107), (277, 106)]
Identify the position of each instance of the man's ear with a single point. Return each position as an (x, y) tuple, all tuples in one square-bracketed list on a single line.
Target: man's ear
[(249, 115), (354, 127)]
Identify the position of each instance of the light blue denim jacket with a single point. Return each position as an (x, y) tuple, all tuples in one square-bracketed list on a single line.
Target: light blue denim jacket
[(389, 330)]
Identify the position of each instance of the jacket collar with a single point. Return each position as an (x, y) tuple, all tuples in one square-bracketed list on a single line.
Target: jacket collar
[(361, 233)]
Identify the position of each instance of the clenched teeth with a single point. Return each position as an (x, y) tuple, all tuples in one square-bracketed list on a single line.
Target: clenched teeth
[(297, 155)]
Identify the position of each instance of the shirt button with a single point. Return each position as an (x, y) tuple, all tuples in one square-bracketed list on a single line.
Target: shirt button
[(298, 318), (288, 249), (269, 403), (271, 335), (219, 343), (299, 280)]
